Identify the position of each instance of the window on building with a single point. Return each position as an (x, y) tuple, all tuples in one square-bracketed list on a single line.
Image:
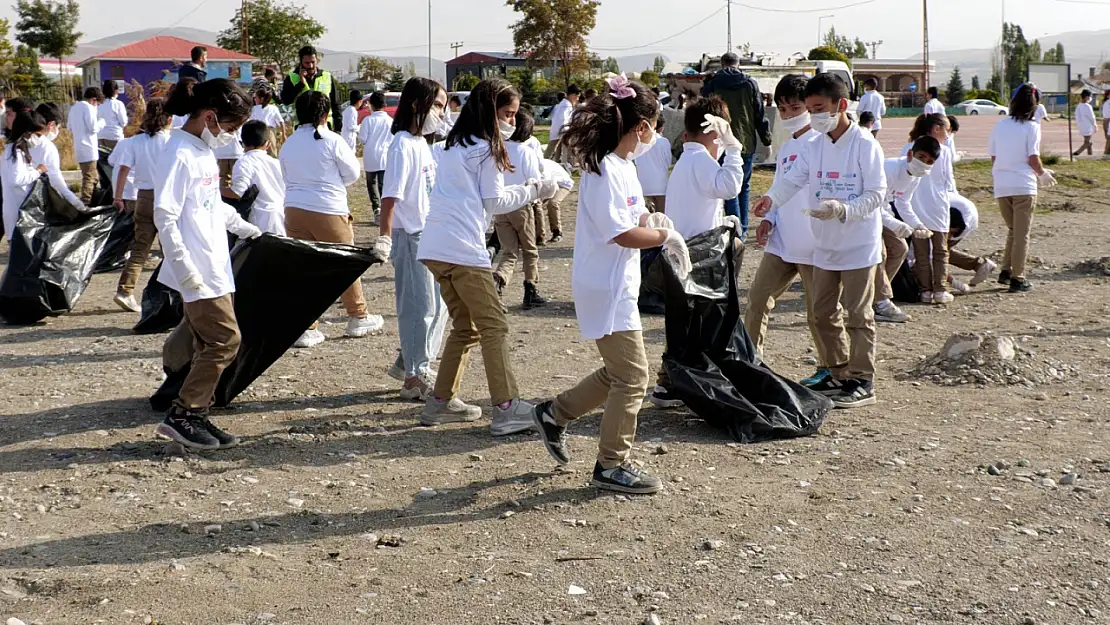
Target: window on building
[(234, 72), (115, 72)]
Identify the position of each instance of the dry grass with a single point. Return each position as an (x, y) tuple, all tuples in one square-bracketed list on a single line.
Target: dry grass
[(136, 107), (64, 143)]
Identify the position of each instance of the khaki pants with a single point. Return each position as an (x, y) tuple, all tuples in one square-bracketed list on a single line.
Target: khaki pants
[(554, 150), (656, 203), (961, 259), (90, 178), (517, 231), (855, 291), (772, 278), (215, 342), (311, 226), (894, 254), (1087, 145), (1017, 212), (227, 166), (620, 384), (554, 208), (476, 319), (931, 262), (145, 234)]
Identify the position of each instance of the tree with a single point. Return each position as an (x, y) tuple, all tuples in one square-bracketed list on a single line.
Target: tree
[(955, 91), (1035, 54), (277, 32), (396, 80), (989, 94), (554, 31), (374, 68), (1016, 54), (466, 81), (859, 49), (975, 82), (6, 51), (852, 49), (1060, 58), (49, 26), (524, 79), (611, 66), (410, 69), (825, 53), (650, 78), (25, 70), (659, 65), (995, 83)]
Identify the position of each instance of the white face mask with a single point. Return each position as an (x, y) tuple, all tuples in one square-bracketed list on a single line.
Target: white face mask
[(431, 124), (221, 140), (505, 129), (36, 140), (918, 169), (823, 122), (796, 123), (643, 148), (52, 135)]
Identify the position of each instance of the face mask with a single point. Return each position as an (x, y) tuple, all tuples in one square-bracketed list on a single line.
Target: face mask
[(36, 140), (643, 148), (794, 124), (506, 130), (52, 135), (431, 124), (221, 140), (823, 122), (918, 169)]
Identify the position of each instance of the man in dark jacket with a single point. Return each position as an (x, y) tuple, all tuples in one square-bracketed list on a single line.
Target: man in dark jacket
[(308, 76), (196, 68), (745, 105)]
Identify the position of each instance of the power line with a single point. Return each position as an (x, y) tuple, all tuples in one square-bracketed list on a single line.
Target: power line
[(681, 32), (183, 17), (837, 8)]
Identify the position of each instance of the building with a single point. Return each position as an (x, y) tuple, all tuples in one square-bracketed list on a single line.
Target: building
[(901, 81), (68, 69), (158, 59), (487, 64)]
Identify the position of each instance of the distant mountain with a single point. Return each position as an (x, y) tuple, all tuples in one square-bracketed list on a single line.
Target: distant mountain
[(91, 48)]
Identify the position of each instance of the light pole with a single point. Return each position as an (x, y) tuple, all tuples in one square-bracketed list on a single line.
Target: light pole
[(819, 31), (430, 74)]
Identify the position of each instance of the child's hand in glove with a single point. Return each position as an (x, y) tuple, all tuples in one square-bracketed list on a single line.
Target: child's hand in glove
[(675, 248), (192, 282), (383, 247), (826, 210), (1046, 179), (732, 222), (718, 125), (922, 233), (903, 230), (659, 220)]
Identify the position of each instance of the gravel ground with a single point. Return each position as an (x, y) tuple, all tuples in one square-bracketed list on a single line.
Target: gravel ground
[(941, 504)]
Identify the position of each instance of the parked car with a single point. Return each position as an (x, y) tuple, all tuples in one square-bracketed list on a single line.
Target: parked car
[(392, 99), (982, 107)]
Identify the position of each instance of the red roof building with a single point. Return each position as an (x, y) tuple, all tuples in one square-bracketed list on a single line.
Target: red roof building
[(157, 59)]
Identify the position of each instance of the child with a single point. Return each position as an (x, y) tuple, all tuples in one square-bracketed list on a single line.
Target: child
[(554, 206), (517, 229), (192, 221), (847, 187), (867, 121), (226, 157), (653, 170), (454, 103), (85, 124), (318, 166), (409, 178), (1105, 122), (604, 138), (934, 105), (953, 128), (375, 133), (350, 118), (20, 169), (46, 153), (560, 118), (1085, 119), (258, 169), (114, 115), (903, 175), (124, 193), (874, 103), (930, 205), (963, 220), (1015, 149), (265, 111), (1041, 114), (469, 190), (141, 158)]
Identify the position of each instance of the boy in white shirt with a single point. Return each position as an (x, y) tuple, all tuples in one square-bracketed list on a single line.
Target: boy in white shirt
[(847, 187), (114, 115), (260, 170), (516, 230), (874, 103), (653, 169), (931, 203), (934, 104), (350, 118), (85, 125), (375, 134), (560, 118), (265, 111), (1085, 119)]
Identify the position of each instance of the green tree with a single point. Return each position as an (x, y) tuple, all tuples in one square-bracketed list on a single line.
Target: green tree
[(989, 94), (1035, 54), (374, 68), (277, 32), (396, 80), (995, 83), (975, 82), (650, 78), (25, 70), (955, 91), (659, 64), (466, 81), (554, 31), (49, 26), (852, 49), (6, 50), (1060, 58), (524, 79), (1016, 52), (859, 49), (825, 53), (611, 66)]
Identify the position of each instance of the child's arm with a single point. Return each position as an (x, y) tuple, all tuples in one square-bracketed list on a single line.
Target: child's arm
[(241, 177), (169, 201), (400, 169), (642, 238), (364, 131), (53, 162), (787, 186), (721, 181), (349, 167), (497, 199)]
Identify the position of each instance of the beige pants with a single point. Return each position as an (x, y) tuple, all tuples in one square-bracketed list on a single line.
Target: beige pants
[(554, 209), (1017, 212), (476, 319), (656, 203), (931, 262), (554, 150), (620, 384), (772, 278), (895, 249), (853, 290), (215, 333), (90, 178), (227, 166), (517, 231), (961, 259), (311, 226), (145, 234)]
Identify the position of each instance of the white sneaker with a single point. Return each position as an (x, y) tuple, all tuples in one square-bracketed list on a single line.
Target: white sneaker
[(396, 372), (959, 287), (358, 328), (887, 311), (127, 302), (421, 390), (983, 272), (926, 297), (310, 338), (944, 297), (513, 420)]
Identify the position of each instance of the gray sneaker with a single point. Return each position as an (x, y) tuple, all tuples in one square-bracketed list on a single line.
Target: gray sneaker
[(515, 419), (626, 479), (454, 411)]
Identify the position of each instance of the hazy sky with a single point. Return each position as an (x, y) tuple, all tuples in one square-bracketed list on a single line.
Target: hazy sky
[(400, 27)]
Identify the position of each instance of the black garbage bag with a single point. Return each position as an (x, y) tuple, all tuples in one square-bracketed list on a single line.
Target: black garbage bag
[(282, 286), (123, 228), (53, 252), (904, 285), (163, 307), (711, 361), (653, 286)]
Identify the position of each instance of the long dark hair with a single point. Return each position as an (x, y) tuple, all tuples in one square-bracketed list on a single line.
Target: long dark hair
[(111, 88), (156, 118), (596, 129), (1023, 106), (417, 98), (26, 124), (478, 119), (312, 106), (50, 112), (230, 102), (925, 123)]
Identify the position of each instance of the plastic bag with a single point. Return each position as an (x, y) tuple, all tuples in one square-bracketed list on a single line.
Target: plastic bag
[(53, 251), (711, 361), (115, 251), (282, 287)]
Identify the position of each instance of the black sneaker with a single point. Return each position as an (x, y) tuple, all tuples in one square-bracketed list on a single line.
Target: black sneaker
[(556, 236), (1004, 277), (499, 282), (188, 428), (626, 479), (1020, 285), (532, 297), (829, 386), (226, 440), (554, 437), (539, 241), (663, 398), (856, 393)]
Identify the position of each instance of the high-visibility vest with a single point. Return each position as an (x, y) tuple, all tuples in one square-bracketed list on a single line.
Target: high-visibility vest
[(323, 85)]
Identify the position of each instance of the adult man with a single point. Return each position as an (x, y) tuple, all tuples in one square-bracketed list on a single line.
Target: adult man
[(745, 106), (309, 77), (196, 68), (873, 102), (560, 118)]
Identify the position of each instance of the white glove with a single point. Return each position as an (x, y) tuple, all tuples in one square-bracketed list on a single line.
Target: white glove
[(659, 220), (827, 209), (718, 125), (902, 230), (247, 230), (192, 282), (675, 248), (1046, 179), (546, 189), (566, 183), (732, 222), (383, 247), (922, 233)]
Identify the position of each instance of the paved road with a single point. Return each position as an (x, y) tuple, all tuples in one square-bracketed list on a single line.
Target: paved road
[(975, 132)]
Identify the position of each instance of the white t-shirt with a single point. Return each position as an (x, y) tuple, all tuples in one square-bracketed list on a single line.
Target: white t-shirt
[(1106, 111), (1085, 119), (698, 187), (934, 106), (1011, 144), (410, 176), (350, 126), (46, 153), (85, 124), (875, 103), (654, 167), (318, 172), (525, 164), (233, 150), (792, 238), (931, 201), (560, 117), (122, 153), (263, 171), (177, 121), (376, 135), (1040, 113), (269, 115), (606, 277), (554, 171), (16, 178), (535, 144), (900, 189), (142, 157), (114, 115), (969, 212)]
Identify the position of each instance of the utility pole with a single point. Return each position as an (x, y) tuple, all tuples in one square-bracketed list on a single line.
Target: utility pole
[(925, 58), (1002, 55), (455, 48), (728, 3), (430, 74), (874, 45), (246, 29)]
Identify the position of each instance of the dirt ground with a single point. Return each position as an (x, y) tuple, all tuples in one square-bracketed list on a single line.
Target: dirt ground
[(940, 504)]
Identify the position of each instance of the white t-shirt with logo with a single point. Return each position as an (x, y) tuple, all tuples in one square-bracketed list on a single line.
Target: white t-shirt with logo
[(410, 176), (526, 166), (606, 276), (654, 168), (376, 136), (259, 169), (932, 200), (1011, 144), (317, 172), (698, 187), (792, 239)]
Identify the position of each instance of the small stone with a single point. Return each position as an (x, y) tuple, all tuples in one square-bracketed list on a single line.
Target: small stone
[(1047, 482), (659, 594), (1023, 462), (809, 360), (1093, 584), (15, 621), (575, 590), (506, 514), (661, 450), (175, 449), (249, 480), (253, 526), (1068, 479), (426, 493), (1002, 465), (474, 457), (1104, 468), (296, 503), (176, 566), (215, 528), (390, 541), (1041, 397), (712, 545), (993, 470), (1029, 620), (652, 619)]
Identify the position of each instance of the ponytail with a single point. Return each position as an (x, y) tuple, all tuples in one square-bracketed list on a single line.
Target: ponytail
[(597, 129), (312, 106), (227, 99), (156, 118)]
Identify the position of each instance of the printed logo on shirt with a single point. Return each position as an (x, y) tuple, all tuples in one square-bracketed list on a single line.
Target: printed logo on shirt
[(633, 200), (429, 178)]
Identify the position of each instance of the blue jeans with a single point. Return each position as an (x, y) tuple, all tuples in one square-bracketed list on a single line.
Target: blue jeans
[(739, 206), (421, 313)]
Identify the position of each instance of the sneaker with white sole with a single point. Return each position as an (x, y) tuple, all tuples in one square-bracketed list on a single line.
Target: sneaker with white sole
[(418, 388), (553, 435), (829, 386), (959, 287), (943, 297), (983, 272), (310, 338), (662, 398), (926, 297), (515, 419), (626, 478), (856, 393), (127, 302), (888, 312), (437, 412), (358, 327)]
